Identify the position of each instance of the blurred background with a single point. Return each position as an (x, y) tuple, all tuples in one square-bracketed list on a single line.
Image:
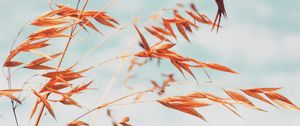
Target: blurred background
[(259, 39)]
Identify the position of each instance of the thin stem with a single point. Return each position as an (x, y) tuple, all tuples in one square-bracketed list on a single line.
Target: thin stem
[(8, 77), (14, 111), (41, 112), (39, 116), (112, 59), (111, 102), (107, 61), (23, 86), (63, 55), (71, 33), (106, 37), (96, 46), (18, 35), (109, 87), (206, 73), (109, 4), (12, 102)]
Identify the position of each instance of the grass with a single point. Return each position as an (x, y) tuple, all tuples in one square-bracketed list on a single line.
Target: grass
[(62, 84)]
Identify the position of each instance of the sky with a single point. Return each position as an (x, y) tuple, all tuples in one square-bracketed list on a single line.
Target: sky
[(259, 39)]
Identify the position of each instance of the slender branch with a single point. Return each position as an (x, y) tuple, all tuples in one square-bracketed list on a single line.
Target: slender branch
[(39, 116), (23, 86), (14, 111), (41, 112), (109, 87), (106, 37), (12, 102), (110, 103), (63, 55), (18, 35), (71, 33), (112, 59), (96, 46), (8, 76), (109, 4)]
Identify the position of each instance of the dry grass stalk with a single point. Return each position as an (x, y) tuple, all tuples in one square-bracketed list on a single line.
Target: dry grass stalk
[(60, 81)]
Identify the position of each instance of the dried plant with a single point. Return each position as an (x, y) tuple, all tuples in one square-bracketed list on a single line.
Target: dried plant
[(62, 84)]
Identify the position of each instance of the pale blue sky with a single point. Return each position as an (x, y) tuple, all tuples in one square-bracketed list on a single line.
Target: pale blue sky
[(260, 39)]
